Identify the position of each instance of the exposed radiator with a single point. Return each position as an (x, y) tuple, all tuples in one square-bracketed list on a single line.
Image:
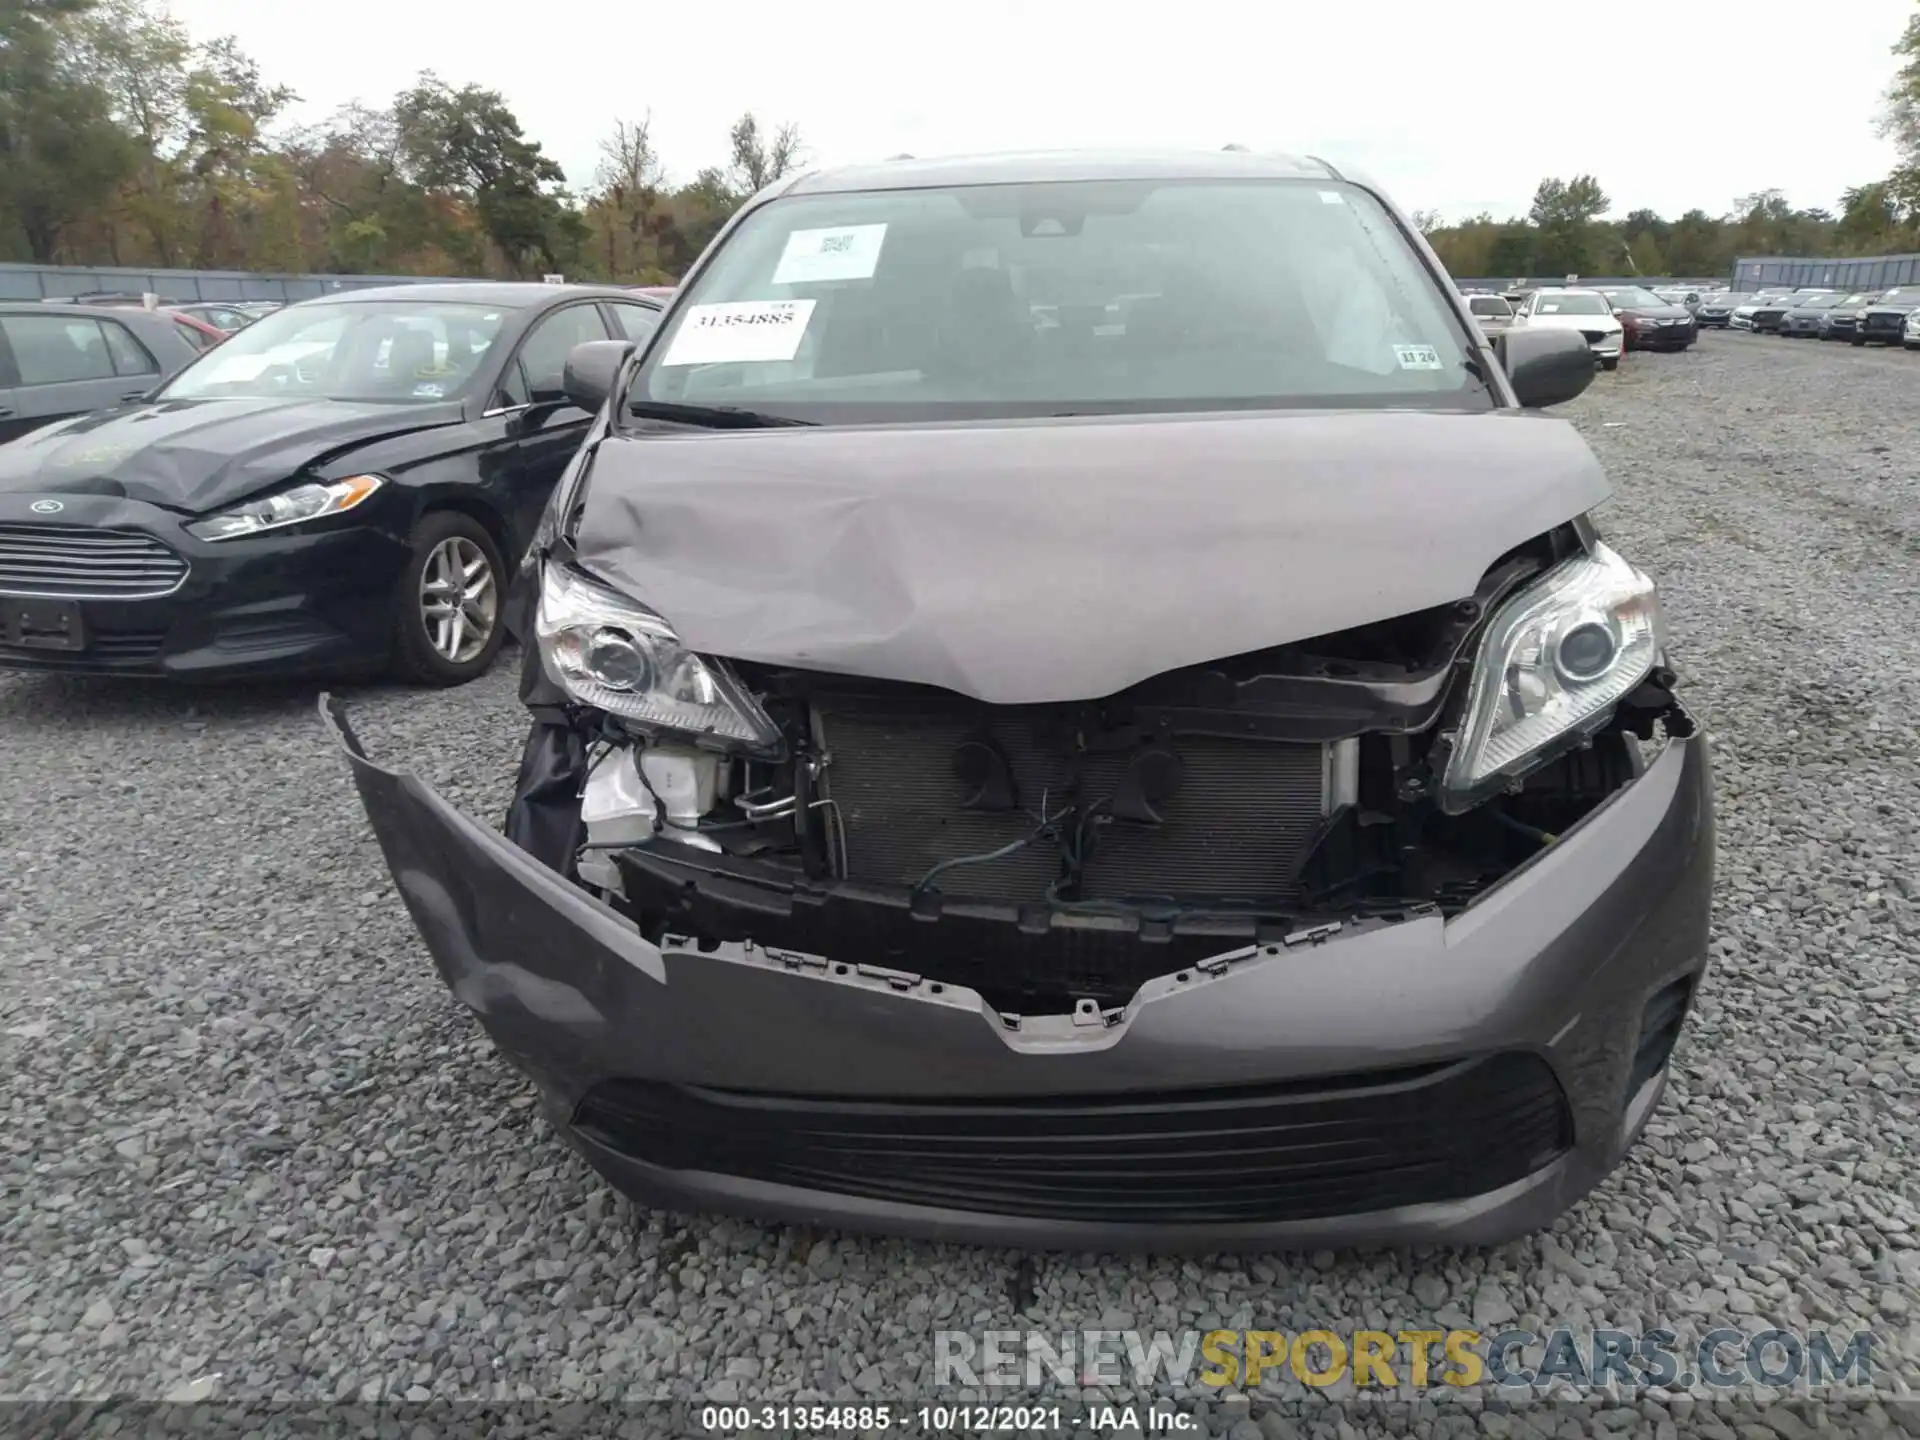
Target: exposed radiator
[(1235, 828)]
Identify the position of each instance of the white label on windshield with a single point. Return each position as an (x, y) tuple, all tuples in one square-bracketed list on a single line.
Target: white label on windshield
[(1332, 197), (740, 330), (845, 252), (1418, 357)]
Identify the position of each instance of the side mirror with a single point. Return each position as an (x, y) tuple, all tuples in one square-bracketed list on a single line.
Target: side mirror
[(591, 370), (1546, 367)]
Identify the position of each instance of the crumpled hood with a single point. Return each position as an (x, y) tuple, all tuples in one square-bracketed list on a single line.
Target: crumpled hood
[(197, 455), (1067, 559)]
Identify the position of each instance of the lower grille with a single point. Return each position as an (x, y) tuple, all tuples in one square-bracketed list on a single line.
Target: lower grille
[(80, 562), (1339, 1146), (1660, 1026), (1236, 827), (106, 649)]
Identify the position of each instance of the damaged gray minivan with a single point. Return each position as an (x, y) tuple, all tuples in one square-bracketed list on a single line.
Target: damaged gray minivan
[(1074, 706)]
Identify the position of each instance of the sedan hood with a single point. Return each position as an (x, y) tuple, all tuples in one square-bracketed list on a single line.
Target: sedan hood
[(197, 455), (1657, 312), (1026, 563)]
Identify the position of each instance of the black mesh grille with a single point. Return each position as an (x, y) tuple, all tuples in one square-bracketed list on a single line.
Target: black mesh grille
[(1340, 1146), (1237, 826), (106, 649)]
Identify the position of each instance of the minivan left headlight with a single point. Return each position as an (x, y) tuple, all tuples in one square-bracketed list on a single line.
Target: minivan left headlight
[(614, 654), (1553, 663)]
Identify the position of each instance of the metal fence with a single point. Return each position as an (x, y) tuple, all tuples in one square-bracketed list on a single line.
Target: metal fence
[(1866, 272), (38, 282)]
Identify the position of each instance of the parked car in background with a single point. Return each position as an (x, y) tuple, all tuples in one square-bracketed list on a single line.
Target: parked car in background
[(1765, 319), (1806, 319), (1884, 321), (257, 308), (200, 331), (1585, 311), (1742, 316), (1492, 313), (57, 362), (1843, 320), (344, 485), (227, 319), (1647, 321), (1910, 333), (888, 857), (1715, 310)]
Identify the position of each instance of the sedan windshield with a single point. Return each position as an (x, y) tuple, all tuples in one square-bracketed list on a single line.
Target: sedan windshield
[(1059, 298), (1635, 299), (394, 350)]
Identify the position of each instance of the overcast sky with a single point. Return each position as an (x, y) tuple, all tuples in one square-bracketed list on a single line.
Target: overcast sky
[(1458, 107)]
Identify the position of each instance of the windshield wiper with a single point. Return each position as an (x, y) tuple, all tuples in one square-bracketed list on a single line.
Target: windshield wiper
[(714, 417)]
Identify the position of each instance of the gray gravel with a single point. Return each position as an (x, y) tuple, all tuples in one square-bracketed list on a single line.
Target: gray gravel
[(251, 1147)]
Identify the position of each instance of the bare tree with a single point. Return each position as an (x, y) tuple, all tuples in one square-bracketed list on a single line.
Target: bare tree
[(758, 159)]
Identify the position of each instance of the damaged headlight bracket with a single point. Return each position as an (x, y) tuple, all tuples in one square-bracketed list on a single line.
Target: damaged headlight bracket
[(1554, 664)]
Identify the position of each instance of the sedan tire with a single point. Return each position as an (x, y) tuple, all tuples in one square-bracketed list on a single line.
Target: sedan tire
[(449, 602)]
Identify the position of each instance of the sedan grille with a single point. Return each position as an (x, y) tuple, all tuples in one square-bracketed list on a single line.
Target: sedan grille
[(1886, 322), (79, 562), (1594, 336), (1343, 1145)]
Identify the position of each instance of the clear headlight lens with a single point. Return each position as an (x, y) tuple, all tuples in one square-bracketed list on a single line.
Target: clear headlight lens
[(1553, 663), (614, 654), (288, 507)]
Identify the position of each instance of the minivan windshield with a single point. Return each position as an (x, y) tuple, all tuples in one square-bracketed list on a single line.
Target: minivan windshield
[(391, 350), (1062, 297)]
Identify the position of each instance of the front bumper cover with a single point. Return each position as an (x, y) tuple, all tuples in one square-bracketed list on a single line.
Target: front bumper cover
[(1559, 961), (310, 599)]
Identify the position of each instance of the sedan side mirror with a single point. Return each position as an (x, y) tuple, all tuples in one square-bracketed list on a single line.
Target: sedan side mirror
[(1547, 366), (591, 370)]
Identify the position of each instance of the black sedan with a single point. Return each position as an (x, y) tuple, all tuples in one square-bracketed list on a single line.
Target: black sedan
[(1884, 322), (59, 361), (341, 487), (1767, 318)]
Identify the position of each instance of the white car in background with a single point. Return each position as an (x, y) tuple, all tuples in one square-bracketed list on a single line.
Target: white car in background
[(1584, 310)]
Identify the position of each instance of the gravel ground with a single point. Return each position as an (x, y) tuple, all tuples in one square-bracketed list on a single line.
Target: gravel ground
[(251, 1147)]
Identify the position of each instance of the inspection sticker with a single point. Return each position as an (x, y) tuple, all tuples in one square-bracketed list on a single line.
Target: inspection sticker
[(740, 330), (845, 252), (1418, 357)]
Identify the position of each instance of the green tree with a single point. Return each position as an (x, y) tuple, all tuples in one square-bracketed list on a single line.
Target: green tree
[(467, 143), (1564, 213), (1643, 251), (61, 154)]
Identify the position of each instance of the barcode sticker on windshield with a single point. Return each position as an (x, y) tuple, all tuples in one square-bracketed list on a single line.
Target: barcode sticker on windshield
[(751, 330), (1418, 357), (845, 252)]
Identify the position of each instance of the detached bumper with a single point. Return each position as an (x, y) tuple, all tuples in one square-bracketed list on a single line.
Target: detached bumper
[(301, 602), (1244, 1103)]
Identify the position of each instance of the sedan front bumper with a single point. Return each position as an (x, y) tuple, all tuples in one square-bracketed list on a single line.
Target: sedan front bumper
[(1228, 1105), (306, 600)]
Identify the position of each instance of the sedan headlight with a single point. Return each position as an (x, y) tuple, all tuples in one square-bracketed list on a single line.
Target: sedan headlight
[(288, 507), (616, 655), (1553, 663)]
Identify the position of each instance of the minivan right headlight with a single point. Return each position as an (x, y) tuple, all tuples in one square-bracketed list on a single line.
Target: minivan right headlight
[(1553, 663)]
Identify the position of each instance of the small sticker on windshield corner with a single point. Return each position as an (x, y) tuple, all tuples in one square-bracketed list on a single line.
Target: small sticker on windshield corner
[(1418, 357), (1332, 197)]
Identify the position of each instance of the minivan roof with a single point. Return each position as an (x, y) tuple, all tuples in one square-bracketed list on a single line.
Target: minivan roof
[(1025, 167)]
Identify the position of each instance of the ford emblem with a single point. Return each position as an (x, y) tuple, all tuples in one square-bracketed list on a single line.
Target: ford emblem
[(46, 507)]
